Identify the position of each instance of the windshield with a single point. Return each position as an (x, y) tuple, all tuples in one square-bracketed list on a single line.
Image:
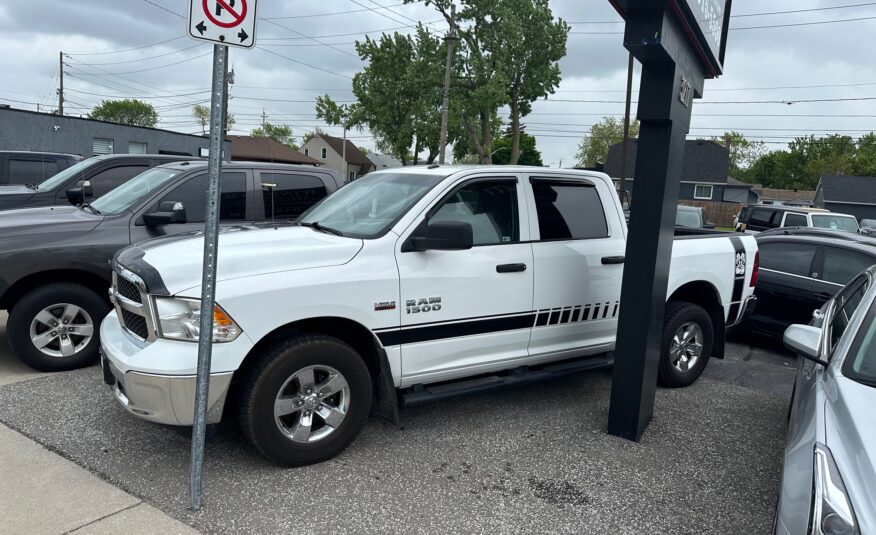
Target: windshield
[(369, 206), (861, 365), (835, 222), (129, 193), (688, 218), (59, 178)]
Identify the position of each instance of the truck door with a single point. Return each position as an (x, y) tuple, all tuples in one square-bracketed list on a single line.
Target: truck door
[(463, 312), (578, 252)]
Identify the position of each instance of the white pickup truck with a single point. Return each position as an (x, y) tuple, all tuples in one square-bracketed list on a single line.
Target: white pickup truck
[(407, 284)]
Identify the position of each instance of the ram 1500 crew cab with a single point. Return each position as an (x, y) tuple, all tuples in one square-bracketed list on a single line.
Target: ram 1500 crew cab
[(400, 280)]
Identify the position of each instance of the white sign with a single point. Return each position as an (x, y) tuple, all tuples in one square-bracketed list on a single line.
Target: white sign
[(226, 22)]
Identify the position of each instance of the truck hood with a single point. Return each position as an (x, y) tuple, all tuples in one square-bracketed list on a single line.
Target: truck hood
[(16, 190), (175, 262), (46, 222)]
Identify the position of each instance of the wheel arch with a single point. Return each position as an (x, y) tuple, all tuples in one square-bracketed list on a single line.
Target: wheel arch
[(22, 286), (359, 337), (705, 294)]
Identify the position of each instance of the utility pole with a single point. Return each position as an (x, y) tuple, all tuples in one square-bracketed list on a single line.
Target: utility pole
[(344, 152), (264, 118), (229, 80), (61, 83), (621, 185), (445, 106)]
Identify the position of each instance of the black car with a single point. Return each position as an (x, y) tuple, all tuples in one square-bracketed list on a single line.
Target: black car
[(83, 181), (27, 167), (54, 261), (800, 270)]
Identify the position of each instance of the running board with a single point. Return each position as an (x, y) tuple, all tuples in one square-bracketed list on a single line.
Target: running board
[(419, 394)]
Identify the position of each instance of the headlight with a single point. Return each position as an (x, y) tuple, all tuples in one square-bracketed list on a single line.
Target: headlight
[(832, 512), (180, 319)]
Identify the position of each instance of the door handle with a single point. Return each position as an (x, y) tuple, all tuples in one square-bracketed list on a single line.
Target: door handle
[(510, 268), (613, 259)]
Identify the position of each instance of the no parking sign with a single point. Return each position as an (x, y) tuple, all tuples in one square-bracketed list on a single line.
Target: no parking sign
[(224, 22)]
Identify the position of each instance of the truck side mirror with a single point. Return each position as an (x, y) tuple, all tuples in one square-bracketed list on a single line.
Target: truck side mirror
[(79, 192), (440, 236), (169, 212)]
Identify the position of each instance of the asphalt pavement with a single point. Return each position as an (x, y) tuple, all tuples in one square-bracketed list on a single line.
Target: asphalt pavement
[(534, 459)]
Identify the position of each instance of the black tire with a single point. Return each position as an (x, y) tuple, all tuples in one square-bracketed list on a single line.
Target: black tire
[(679, 313), (25, 311), (263, 383)]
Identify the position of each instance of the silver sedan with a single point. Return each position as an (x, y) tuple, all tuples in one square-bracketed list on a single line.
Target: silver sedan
[(829, 479)]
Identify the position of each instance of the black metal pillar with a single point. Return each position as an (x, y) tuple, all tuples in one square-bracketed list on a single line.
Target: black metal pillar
[(670, 77)]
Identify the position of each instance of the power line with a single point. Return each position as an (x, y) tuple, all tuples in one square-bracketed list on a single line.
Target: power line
[(329, 14), (153, 68), (126, 49), (150, 57), (735, 28), (314, 39), (159, 6), (741, 15), (287, 58)]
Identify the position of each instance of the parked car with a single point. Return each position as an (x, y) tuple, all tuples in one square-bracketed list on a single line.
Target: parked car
[(830, 450), (83, 181), (400, 280), (759, 218), (54, 261), (800, 270), (692, 217), (28, 167), (868, 226)]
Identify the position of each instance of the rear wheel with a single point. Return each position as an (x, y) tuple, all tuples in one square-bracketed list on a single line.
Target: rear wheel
[(687, 344), (55, 327), (306, 401)]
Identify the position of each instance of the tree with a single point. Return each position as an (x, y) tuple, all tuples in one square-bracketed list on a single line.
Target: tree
[(531, 45), (127, 111), (743, 152), (609, 130), (528, 153), (278, 132), (201, 114), (865, 157)]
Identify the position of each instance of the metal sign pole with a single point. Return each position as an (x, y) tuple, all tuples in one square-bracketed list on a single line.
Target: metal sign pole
[(208, 277)]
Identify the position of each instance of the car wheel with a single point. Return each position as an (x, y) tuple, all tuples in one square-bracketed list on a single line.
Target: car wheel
[(687, 344), (306, 400), (55, 327)]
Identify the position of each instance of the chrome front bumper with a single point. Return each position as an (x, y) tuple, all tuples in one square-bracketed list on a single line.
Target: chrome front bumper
[(164, 399)]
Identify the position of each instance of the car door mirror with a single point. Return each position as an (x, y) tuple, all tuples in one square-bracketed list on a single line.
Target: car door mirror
[(79, 192), (805, 340), (169, 212), (440, 236)]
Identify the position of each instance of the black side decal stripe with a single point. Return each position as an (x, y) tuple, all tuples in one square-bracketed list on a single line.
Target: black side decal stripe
[(455, 330), (738, 280)]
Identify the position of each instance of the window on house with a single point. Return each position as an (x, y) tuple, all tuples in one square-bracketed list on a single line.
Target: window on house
[(702, 191), (102, 146), (352, 176), (324, 153), (136, 147), (307, 152)]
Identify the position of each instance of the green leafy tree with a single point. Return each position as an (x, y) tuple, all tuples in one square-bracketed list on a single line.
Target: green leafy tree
[(127, 111), (201, 114), (280, 133), (743, 152), (528, 153), (594, 147), (865, 157)]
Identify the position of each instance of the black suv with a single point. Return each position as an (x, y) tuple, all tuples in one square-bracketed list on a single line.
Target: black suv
[(84, 180), (765, 217), (54, 261), (26, 167)]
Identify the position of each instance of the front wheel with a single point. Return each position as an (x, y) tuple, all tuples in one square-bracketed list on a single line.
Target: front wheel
[(687, 344), (306, 401)]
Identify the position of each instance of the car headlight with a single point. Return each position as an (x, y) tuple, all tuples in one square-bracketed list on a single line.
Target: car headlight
[(179, 318), (832, 512)]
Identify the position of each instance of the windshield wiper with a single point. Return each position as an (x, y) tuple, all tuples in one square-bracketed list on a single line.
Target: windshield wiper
[(32, 186), (93, 210), (316, 226)]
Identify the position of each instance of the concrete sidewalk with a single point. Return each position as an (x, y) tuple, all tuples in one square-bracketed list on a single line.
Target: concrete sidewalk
[(44, 493)]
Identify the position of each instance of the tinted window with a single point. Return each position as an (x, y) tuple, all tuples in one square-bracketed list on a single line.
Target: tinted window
[(841, 266), (30, 170), (193, 194), (568, 211), (835, 222), (846, 303), (287, 196), (795, 220), (109, 179), (793, 258), (765, 218), (490, 206)]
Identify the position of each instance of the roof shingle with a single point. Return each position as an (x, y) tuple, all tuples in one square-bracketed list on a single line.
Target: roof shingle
[(704, 161), (856, 189), (263, 149)]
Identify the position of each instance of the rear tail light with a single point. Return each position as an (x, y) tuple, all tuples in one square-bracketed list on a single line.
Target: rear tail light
[(755, 269)]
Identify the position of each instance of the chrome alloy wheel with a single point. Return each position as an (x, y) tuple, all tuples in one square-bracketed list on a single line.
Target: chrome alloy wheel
[(687, 347), (61, 330), (312, 403)]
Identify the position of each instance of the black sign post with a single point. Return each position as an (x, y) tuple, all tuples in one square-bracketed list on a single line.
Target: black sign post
[(679, 45)]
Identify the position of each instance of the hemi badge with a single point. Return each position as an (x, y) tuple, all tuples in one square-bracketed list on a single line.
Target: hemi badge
[(384, 305)]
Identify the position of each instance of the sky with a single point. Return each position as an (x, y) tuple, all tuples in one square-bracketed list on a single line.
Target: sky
[(139, 48)]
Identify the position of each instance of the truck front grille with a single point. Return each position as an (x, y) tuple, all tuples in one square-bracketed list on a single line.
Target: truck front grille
[(132, 303)]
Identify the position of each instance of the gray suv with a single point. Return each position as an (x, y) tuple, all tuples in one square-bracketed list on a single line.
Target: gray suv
[(54, 261)]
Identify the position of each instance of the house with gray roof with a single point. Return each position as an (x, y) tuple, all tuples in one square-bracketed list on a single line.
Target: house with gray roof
[(854, 195), (383, 161), (705, 174)]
